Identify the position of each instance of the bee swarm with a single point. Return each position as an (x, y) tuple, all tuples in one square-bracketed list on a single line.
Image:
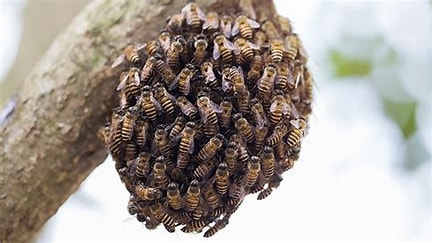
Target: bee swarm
[(212, 110)]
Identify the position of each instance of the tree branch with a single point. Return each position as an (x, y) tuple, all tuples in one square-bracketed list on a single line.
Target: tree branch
[(48, 143)]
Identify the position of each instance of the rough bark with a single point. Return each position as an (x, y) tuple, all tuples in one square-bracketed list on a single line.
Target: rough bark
[(48, 144)]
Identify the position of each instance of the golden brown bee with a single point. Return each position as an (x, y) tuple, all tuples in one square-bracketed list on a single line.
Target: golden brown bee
[(194, 226), (259, 184), (223, 48), (281, 150), (142, 133), (260, 38), (276, 50), (243, 102), (270, 30), (279, 132), (130, 53), (207, 110), (220, 224), (187, 107), (130, 82), (258, 112), (147, 193), (253, 169), (247, 8), (173, 54), (165, 40), (260, 137), (165, 71), (225, 115), (209, 76), (159, 212), (221, 179), (149, 104), (131, 151), (177, 127), (173, 196), (159, 173), (211, 147), (183, 79), (233, 77), (266, 83), (202, 170), (115, 137), (148, 70), (166, 100), (297, 130), (226, 25), (142, 165), (245, 49), (200, 52), (268, 162), (273, 183), (193, 15), (285, 25), (192, 196), (231, 156), (212, 199), (160, 143), (284, 79), (243, 156), (255, 68), (211, 23), (174, 23), (186, 146), (217, 212), (244, 26), (292, 44), (278, 108), (244, 127), (152, 47), (128, 124)]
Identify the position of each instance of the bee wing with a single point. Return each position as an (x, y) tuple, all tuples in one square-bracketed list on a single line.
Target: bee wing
[(216, 107), (191, 146), (253, 45), (285, 109), (201, 14), (118, 61), (216, 53), (226, 29), (236, 49), (123, 80), (260, 121), (156, 103), (228, 44), (137, 79), (240, 70), (131, 164), (235, 29), (204, 115), (154, 149), (174, 83), (295, 123), (273, 106), (188, 78), (294, 112), (140, 46), (186, 9), (253, 24), (226, 84)]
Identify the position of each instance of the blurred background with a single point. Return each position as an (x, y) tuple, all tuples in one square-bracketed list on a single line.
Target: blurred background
[(365, 168)]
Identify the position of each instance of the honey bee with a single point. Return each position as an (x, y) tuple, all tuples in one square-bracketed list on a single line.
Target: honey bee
[(233, 77), (219, 225), (173, 54), (278, 108), (245, 49), (255, 68), (142, 165), (284, 79), (173, 196), (159, 173), (259, 113), (291, 44), (142, 133), (243, 101), (177, 127), (273, 183), (285, 25), (247, 8), (174, 23), (200, 52), (149, 104), (148, 70), (186, 146), (166, 100), (161, 143), (243, 156), (279, 132), (115, 137), (183, 217), (244, 127), (209, 76), (133, 207), (276, 50), (244, 26), (130, 53), (148, 193), (307, 93), (260, 38), (158, 212), (165, 71), (268, 162), (211, 147), (211, 23), (193, 15), (221, 179), (223, 47), (226, 25), (129, 124), (152, 47), (131, 151), (225, 115), (130, 82), (208, 110), (192, 196), (217, 212), (212, 199), (253, 169), (298, 127), (281, 151), (165, 40), (187, 107), (266, 82), (270, 30), (202, 170), (259, 184), (194, 226), (231, 156), (183, 79)]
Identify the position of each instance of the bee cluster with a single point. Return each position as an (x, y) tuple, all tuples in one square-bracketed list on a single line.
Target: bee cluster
[(212, 110)]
